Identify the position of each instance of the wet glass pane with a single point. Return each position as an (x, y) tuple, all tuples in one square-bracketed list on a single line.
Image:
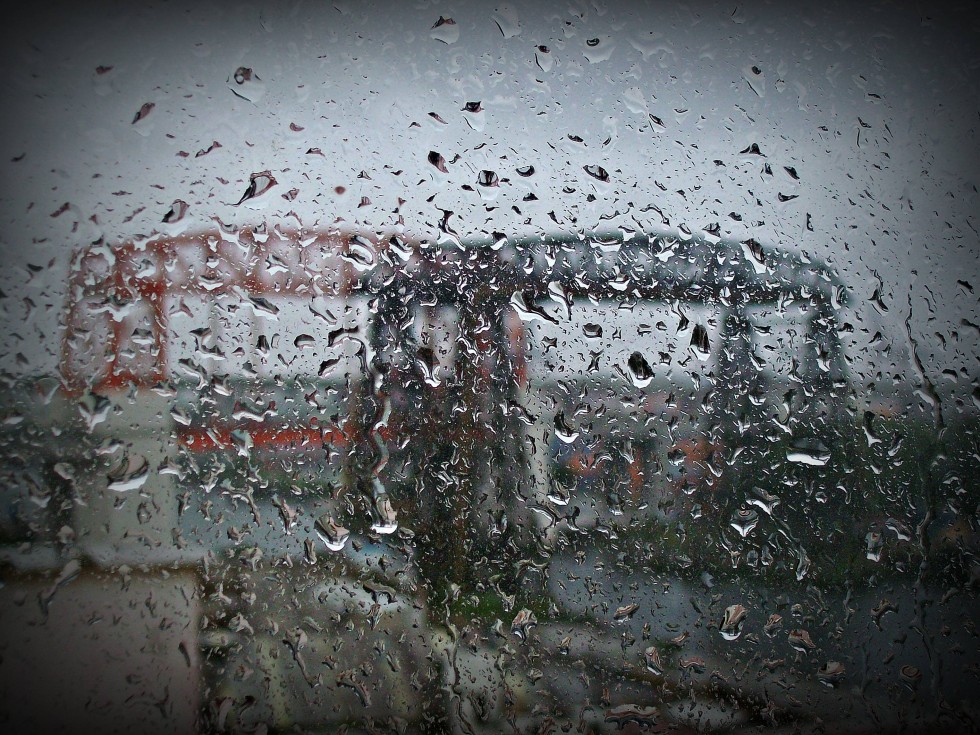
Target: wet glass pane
[(483, 368)]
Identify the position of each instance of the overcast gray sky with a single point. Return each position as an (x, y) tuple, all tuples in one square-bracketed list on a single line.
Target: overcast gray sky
[(875, 109)]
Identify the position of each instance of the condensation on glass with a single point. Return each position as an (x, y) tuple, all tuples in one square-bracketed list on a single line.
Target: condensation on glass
[(485, 369)]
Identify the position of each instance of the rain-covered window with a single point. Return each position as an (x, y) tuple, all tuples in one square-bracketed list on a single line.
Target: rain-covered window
[(478, 368)]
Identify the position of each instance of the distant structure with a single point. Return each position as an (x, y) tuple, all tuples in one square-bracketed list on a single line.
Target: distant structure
[(123, 298), (144, 317)]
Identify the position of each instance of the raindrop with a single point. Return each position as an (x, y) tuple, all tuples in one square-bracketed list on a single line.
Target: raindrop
[(331, 533), (633, 714), (143, 111), (94, 409), (754, 253), (205, 151), (386, 518), (874, 543), (775, 621), (523, 622), (731, 624), (831, 673), (488, 178), (597, 172), (801, 641), (560, 295), (246, 84), (809, 453), (752, 149), (445, 30), (544, 58), (652, 657), (744, 521), (261, 306), (699, 342), (437, 160), (129, 473), (563, 431), (360, 253), (694, 664), (625, 612), (640, 371), (869, 431), (425, 358), (881, 609), (528, 311), (474, 116), (177, 211), (902, 532), (258, 184), (910, 674), (558, 493), (505, 16)]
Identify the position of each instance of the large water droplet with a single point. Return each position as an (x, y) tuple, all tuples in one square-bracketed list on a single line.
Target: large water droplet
[(653, 661), (445, 30), (563, 431), (506, 18), (744, 521), (700, 344), (522, 624), (246, 84), (731, 624), (130, 473), (331, 533), (809, 453), (640, 371)]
